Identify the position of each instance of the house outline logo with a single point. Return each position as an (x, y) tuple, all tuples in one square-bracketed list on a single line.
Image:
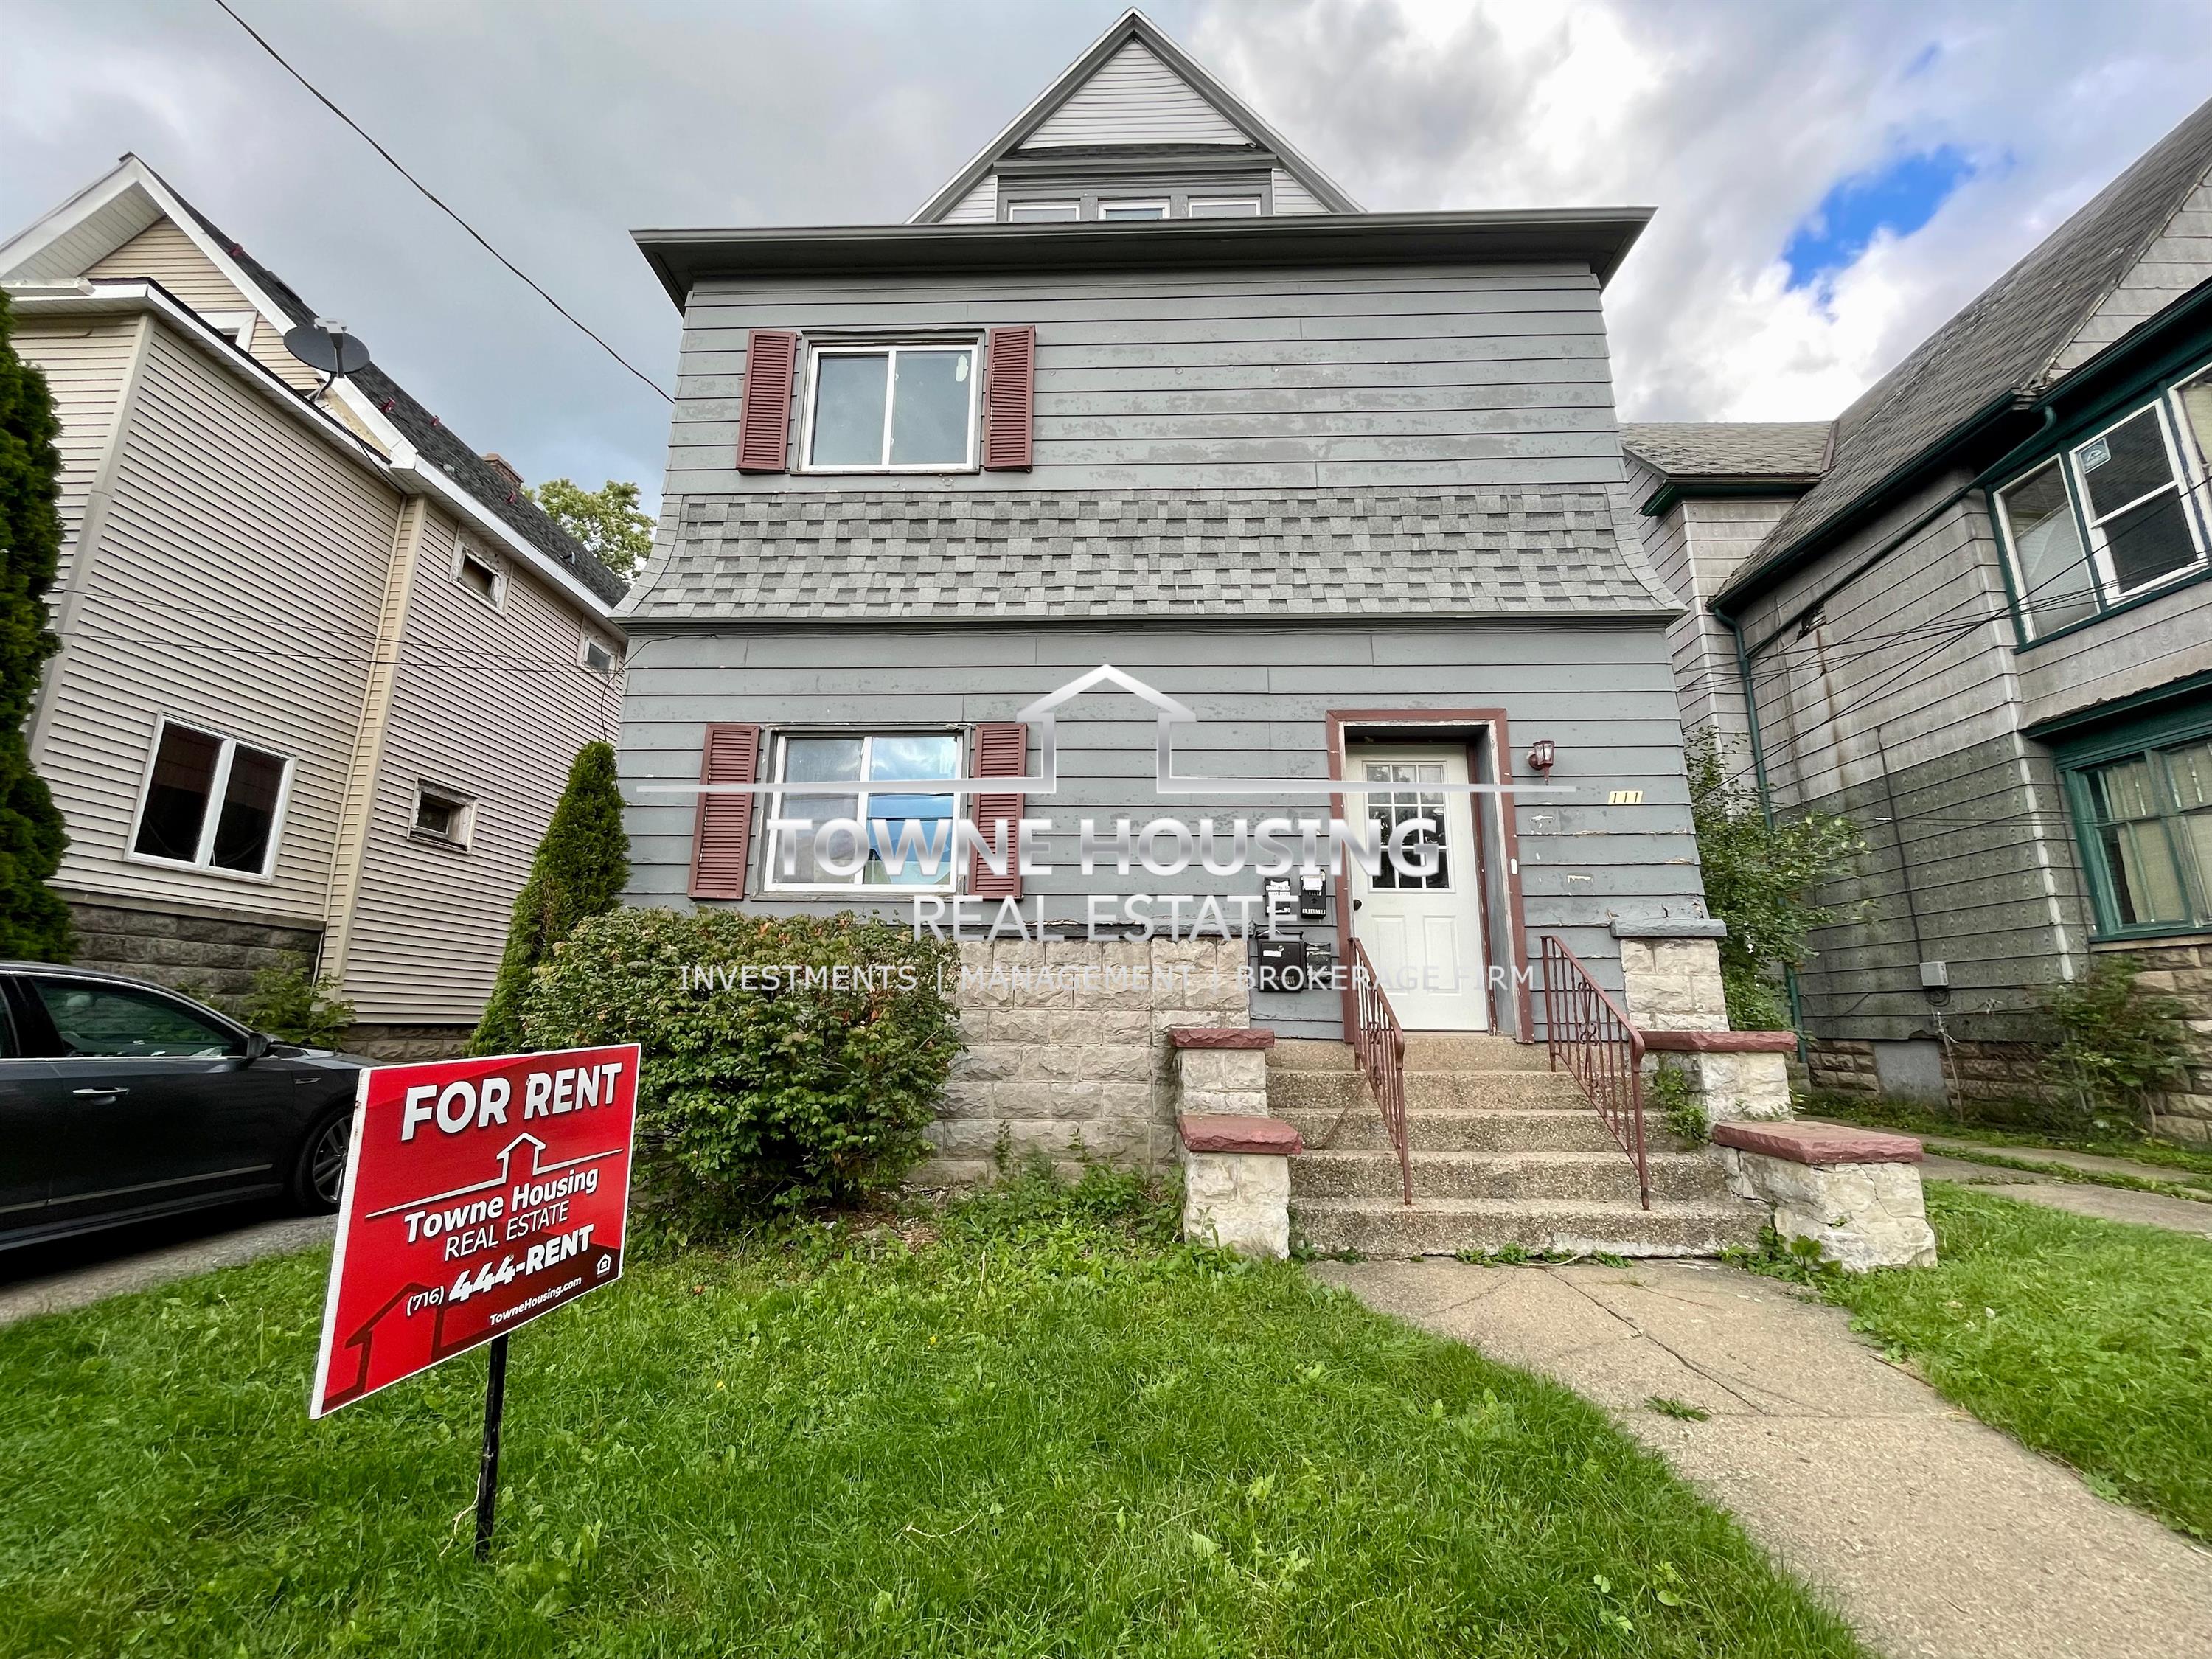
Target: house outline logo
[(1043, 714)]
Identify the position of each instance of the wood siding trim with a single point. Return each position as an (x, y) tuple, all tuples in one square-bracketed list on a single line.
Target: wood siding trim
[(722, 833)]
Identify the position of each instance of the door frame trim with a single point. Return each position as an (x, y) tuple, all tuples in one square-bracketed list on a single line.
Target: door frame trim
[(1475, 725)]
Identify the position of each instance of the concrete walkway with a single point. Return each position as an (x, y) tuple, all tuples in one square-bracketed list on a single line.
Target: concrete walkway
[(2089, 1163), (75, 1287), (2181, 1215), (1938, 1536)]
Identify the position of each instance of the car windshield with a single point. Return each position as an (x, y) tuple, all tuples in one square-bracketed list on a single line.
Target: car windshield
[(117, 1021)]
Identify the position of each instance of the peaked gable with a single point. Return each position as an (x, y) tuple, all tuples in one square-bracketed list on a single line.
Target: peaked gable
[(2179, 259), (1133, 98), (1133, 92)]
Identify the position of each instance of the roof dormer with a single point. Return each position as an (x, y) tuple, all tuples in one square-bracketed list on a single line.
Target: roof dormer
[(1132, 130)]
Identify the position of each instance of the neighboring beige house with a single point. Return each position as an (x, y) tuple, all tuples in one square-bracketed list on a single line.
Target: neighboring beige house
[(323, 667)]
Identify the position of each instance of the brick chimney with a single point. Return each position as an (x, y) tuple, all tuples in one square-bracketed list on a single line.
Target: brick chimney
[(498, 464)]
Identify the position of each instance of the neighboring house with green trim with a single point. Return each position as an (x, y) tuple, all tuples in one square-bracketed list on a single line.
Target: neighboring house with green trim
[(1973, 613)]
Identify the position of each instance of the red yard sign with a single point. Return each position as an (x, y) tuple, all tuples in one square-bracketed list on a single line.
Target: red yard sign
[(479, 1193)]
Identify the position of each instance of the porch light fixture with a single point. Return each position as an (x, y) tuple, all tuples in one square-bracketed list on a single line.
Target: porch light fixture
[(1542, 755)]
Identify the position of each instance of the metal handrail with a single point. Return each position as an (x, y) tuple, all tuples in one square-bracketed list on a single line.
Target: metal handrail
[(1378, 1043), (1600, 1046)]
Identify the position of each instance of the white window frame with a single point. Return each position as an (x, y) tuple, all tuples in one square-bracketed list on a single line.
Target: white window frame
[(815, 354), (218, 786), (465, 819), (1165, 206), (1191, 207), (1017, 210), (584, 646), (2178, 472), (771, 881), (467, 553), (2024, 605)]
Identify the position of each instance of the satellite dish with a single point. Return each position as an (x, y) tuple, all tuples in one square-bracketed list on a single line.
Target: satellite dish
[(326, 346)]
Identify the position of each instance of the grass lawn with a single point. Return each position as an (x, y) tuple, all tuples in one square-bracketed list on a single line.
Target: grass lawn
[(1043, 1430), (2088, 1340)]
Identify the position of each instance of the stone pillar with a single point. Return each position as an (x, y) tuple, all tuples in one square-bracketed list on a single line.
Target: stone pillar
[(1671, 970), (1237, 1183), (1856, 1193), (1221, 1069)]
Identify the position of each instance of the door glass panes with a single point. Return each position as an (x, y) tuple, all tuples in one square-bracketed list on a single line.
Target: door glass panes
[(2140, 860), (177, 796), (2134, 501), (117, 1022), (248, 820), (1392, 807), (2054, 584), (848, 409), (910, 831), (929, 408)]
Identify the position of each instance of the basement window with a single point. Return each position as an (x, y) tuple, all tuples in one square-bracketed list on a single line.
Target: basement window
[(442, 815), (210, 802)]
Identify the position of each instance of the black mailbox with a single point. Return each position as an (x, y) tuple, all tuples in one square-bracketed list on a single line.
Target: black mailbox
[(1313, 898), (1279, 963)]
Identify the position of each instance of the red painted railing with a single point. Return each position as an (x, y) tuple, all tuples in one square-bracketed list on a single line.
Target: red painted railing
[(1379, 1042), (1590, 1034)]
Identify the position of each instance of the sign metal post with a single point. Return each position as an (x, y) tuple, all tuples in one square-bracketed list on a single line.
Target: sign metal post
[(488, 1465)]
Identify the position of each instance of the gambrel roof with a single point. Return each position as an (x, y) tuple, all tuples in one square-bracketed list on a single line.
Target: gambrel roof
[(1135, 89)]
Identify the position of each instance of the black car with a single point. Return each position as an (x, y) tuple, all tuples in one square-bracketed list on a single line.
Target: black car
[(120, 1101)]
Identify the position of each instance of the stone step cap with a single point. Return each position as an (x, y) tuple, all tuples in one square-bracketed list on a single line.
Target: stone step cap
[(1817, 1143), (1221, 1036), (1221, 1131)]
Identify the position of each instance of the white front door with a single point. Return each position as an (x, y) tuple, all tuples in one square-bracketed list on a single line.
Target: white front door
[(1424, 932)]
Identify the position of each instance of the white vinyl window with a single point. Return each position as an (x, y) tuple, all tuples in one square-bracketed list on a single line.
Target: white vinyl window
[(480, 575), (444, 815), (891, 409), (597, 656), (1042, 212), (1133, 210), (210, 802), (2133, 485), (1224, 207), (907, 842)]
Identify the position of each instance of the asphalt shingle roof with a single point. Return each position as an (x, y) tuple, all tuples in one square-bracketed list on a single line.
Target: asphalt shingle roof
[(885, 555), (437, 443), (1731, 449), (2003, 342)]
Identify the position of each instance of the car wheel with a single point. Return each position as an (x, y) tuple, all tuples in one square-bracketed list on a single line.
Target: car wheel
[(320, 1170)]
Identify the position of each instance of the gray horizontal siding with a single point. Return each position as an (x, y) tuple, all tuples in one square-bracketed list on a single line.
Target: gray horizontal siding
[(2168, 639), (1494, 376), (1604, 695)]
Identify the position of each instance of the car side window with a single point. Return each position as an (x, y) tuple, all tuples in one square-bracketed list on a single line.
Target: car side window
[(11, 1045), (111, 1020)]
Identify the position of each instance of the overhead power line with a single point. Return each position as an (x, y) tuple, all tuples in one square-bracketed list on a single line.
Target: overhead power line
[(430, 197)]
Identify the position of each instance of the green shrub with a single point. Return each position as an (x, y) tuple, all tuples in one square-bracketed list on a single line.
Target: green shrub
[(580, 870), (1667, 1093), (766, 1090), (287, 1003), (2117, 1042)]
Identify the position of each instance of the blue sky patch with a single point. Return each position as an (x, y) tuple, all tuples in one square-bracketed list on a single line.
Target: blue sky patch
[(1899, 197)]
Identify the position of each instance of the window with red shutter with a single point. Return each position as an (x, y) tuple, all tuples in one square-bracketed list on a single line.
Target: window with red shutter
[(1009, 395), (721, 840), (764, 411), (1001, 751)]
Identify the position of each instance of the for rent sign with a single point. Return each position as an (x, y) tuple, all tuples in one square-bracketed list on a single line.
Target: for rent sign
[(479, 1193)]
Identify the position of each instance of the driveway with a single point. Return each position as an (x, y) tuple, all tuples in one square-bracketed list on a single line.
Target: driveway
[(70, 1274)]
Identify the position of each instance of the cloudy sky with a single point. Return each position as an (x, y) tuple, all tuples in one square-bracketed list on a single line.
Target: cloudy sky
[(1831, 180)]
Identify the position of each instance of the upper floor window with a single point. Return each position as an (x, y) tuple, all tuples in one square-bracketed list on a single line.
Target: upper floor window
[(891, 409), (1224, 207), (210, 802), (1025, 213), (1134, 198), (1121, 210), (480, 574), (2116, 516)]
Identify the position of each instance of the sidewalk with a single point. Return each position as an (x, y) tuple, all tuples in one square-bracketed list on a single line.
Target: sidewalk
[(1938, 1536)]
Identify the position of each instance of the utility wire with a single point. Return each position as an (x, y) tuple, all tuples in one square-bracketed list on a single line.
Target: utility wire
[(429, 197)]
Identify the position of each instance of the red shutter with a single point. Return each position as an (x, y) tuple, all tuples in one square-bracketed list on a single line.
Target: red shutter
[(765, 411), (1009, 387), (1001, 750), (722, 838)]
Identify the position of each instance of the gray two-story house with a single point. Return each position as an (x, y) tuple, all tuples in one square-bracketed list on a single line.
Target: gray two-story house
[(1338, 496), (1972, 613)]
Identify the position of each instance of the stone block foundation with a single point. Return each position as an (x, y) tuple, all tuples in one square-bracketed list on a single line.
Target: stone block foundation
[(1732, 1074)]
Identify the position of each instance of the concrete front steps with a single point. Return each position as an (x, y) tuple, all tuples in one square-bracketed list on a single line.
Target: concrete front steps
[(1504, 1152)]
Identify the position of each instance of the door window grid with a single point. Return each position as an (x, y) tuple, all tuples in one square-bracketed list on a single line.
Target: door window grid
[(1393, 807)]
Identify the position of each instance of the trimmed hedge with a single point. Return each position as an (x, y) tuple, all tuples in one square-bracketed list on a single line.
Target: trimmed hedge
[(788, 1061)]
